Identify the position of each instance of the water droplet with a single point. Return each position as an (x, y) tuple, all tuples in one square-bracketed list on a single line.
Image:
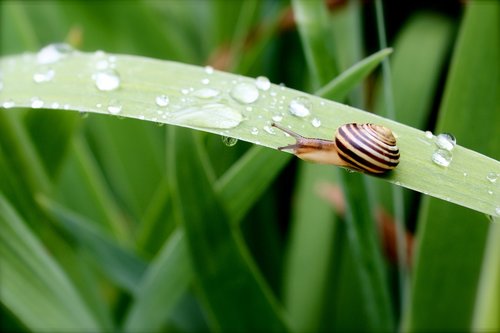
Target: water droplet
[(8, 104), (114, 107), (254, 131), (428, 134), (277, 118), (245, 93), (316, 122), (98, 105), (44, 75), (229, 141), (205, 81), (184, 91), (492, 177), (53, 53), (209, 69), (107, 80), (490, 192), (36, 103), (497, 211), (162, 100), (465, 174), (446, 141), (300, 107), (206, 93), (214, 115), (269, 129), (263, 83), (54, 105), (442, 157), (84, 115)]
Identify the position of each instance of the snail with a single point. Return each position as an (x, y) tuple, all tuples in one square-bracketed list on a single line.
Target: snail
[(362, 147)]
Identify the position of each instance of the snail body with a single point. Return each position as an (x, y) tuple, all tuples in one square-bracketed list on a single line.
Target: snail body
[(362, 147)]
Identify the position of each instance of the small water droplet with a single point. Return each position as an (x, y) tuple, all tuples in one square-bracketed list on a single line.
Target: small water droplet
[(245, 93), (205, 81), (254, 131), (8, 104), (497, 211), (492, 177), (205, 93), (490, 192), (114, 107), (277, 118), (102, 64), (465, 174), (54, 105), (162, 100), (98, 105), (446, 141), (229, 141), (263, 83), (44, 75), (209, 69), (442, 157), (269, 129), (36, 103), (300, 107), (184, 91), (107, 80), (428, 134), (214, 115), (53, 53), (316, 122), (84, 115)]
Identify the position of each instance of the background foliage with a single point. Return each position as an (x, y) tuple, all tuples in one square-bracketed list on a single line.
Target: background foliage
[(111, 224)]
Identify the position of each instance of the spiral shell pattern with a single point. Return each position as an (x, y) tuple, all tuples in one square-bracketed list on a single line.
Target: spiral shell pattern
[(367, 147)]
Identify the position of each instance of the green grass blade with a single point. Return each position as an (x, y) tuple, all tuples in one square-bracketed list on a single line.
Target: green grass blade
[(310, 245), (342, 85), (165, 281), (452, 239), (143, 79), (224, 273), (121, 266), (259, 167), (34, 287)]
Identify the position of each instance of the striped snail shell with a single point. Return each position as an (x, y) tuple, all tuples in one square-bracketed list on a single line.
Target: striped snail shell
[(362, 147)]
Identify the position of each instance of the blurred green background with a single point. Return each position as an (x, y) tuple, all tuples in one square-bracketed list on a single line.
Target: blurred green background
[(122, 225)]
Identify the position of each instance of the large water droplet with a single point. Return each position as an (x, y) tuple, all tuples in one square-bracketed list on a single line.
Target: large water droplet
[(205, 93), (300, 107), (245, 93), (229, 141), (442, 157), (53, 53), (107, 80), (214, 115), (446, 141), (263, 83), (114, 107), (316, 122), (162, 100), (44, 75), (492, 177), (36, 103)]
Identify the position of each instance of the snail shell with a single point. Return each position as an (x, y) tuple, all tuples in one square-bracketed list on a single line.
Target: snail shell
[(362, 147)]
